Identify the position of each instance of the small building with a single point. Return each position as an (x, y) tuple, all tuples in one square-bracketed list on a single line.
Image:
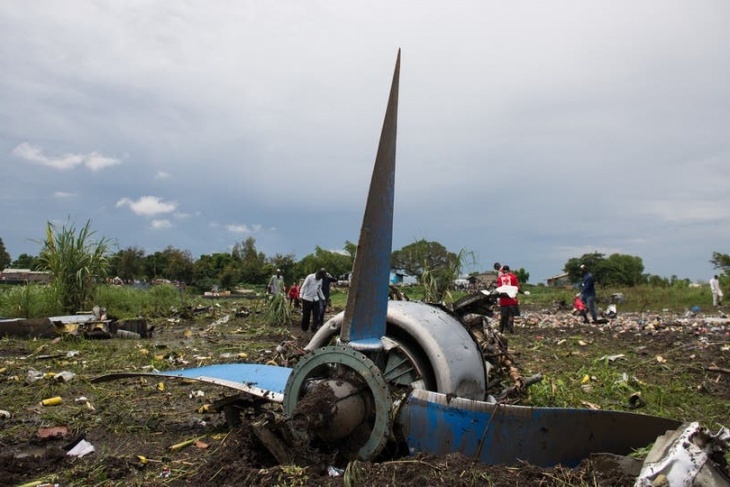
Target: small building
[(483, 280), (561, 280), (24, 276), (401, 278)]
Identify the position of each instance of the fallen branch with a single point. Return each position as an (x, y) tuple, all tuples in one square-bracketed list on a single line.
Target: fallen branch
[(512, 390), (718, 369)]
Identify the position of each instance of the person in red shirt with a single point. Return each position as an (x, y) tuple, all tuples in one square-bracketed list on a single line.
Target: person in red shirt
[(509, 306), (580, 308), (294, 295)]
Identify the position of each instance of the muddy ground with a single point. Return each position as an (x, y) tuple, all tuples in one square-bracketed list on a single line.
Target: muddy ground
[(152, 432)]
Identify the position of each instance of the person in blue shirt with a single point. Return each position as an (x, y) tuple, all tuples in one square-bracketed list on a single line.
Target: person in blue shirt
[(588, 291)]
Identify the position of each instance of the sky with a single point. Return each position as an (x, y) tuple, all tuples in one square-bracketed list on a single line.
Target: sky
[(529, 132)]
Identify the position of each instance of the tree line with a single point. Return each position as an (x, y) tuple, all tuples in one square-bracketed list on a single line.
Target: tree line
[(426, 260)]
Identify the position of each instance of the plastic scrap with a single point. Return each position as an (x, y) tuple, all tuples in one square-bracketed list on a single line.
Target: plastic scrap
[(81, 449), (64, 376)]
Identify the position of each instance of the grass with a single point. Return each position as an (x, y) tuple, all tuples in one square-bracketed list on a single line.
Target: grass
[(142, 419), (576, 372)]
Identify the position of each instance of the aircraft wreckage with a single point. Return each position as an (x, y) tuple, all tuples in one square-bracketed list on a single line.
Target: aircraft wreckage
[(405, 377)]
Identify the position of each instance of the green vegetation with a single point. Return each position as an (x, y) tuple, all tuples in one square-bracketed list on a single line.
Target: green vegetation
[(30, 301), (4, 256), (35, 301), (75, 261)]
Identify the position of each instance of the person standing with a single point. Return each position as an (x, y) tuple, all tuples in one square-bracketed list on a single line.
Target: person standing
[(326, 281), (716, 291), (588, 291), (294, 295), (310, 295), (276, 283), (509, 306)]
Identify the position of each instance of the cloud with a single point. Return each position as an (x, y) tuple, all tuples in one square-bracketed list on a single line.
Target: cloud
[(97, 162), (687, 212), (184, 216), (148, 205), (93, 161), (163, 175), (236, 228), (161, 224), (34, 154), (63, 194)]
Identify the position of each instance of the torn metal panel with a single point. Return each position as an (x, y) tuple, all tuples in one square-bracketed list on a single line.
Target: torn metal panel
[(684, 457), (22, 327)]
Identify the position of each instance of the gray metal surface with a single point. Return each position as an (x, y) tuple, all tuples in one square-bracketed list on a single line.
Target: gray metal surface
[(453, 356)]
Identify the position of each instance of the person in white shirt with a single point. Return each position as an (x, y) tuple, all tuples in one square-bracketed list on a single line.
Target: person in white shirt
[(716, 291), (310, 295), (276, 283)]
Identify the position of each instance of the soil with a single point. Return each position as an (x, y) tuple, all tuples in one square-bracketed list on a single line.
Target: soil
[(137, 425)]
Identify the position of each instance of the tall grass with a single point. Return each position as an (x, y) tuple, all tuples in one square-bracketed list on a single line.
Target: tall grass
[(29, 301), (127, 302), (643, 298), (75, 261)]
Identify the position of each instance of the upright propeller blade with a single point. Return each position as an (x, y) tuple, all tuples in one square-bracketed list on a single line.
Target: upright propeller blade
[(367, 301)]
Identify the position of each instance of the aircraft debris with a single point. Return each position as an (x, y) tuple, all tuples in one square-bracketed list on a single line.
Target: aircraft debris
[(688, 456)]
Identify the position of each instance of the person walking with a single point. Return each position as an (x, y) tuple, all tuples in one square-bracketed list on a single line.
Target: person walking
[(310, 295), (509, 306), (588, 291), (294, 295), (716, 291), (276, 283)]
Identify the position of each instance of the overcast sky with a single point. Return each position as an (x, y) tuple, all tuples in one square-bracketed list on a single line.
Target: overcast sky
[(530, 132)]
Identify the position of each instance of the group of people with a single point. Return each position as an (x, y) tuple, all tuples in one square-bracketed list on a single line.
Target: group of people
[(313, 295), (509, 305)]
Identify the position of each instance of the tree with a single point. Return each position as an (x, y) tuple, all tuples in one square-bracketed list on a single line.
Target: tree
[(336, 263), (285, 263), (75, 262), (623, 270), (228, 277), (171, 264), (421, 256), (178, 265), (721, 261), (522, 275), (128, 264), (251, 262), (4, 256), (209, 269), (25, 261), (616, 270)]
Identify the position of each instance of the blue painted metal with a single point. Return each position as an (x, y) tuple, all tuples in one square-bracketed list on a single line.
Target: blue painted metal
[(367, 299), (504, 434), (269, 377), (265, 381)]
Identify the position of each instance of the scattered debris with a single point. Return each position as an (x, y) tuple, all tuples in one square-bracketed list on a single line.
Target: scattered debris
[(80, 449), (53, 432), (51, 401), (689, 456)]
